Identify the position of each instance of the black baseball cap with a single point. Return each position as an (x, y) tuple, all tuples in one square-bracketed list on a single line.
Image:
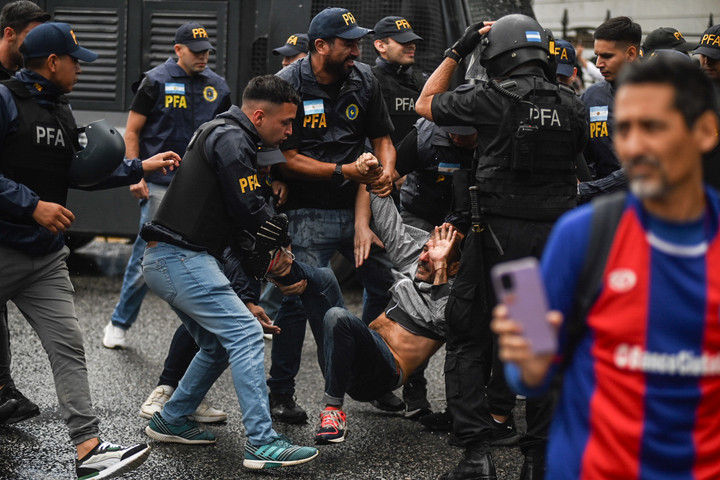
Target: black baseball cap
[(564, 57), (267, 156), (295, 44), (396, 28), (666, 38), (336, 22), (194, 36), (57, 38), (710, 43)]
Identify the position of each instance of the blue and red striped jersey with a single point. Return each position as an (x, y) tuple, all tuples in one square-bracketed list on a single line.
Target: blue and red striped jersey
[(641, 395)]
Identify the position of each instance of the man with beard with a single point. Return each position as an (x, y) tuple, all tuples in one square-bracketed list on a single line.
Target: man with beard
[(342, 106), (640, 342)]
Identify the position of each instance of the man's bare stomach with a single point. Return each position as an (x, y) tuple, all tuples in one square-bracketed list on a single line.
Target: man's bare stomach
[(410, 350)]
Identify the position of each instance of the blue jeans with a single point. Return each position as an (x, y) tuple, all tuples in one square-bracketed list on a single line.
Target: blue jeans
[(133, 288), (316, 235), (194, 285), (357, 360)]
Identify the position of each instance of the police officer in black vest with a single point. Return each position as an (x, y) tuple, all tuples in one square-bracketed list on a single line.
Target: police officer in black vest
[(530, 132), (401, 83)]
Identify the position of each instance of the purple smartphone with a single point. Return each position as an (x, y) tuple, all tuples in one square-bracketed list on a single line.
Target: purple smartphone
[(519, 286)]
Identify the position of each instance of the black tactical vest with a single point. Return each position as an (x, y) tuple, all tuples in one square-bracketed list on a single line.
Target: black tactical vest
[(39, 153), (528, 170), (193, 206), (400, 98)]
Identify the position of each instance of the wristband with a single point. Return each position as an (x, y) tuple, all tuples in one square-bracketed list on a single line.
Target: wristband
[(450, 53)]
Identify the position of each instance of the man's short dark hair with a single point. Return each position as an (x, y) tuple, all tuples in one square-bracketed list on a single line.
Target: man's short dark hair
[(619, 29), (17, 15), (694, 93), (269, 88)]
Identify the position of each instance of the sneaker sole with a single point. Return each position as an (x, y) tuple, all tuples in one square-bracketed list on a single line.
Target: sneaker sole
[(114, 347), (201, 419), (265, 464), (327, 441), (144, 415), (123, 466), (161, 437)]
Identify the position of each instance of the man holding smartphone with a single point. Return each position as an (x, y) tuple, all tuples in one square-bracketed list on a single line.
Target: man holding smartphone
[(642, 374)]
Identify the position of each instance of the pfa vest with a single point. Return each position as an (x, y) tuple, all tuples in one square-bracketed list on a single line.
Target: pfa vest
[(528, 169), (193, 206), (39, 153), (400, 99)]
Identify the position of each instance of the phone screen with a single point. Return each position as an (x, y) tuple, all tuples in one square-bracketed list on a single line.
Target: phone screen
[(518, 284)]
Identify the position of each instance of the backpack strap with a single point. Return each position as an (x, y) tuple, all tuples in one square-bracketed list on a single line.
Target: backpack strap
[(607, 211)]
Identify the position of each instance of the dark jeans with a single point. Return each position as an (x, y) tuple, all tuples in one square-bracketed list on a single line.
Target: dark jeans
[(316, 235), (357, 360), (181, 352), (474, 380)]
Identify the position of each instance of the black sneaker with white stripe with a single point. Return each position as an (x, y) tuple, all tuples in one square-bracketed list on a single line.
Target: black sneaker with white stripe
[(107, 460)]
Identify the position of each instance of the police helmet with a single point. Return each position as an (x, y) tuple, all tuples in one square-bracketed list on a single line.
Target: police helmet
[(105, 150), (513, 40)]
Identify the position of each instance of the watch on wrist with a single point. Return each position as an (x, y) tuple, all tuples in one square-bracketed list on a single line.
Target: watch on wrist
[(337, 176), (450, 53)]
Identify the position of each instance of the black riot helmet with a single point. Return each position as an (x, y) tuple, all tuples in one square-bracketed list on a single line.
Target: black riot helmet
[(105, 150), (513, 40)]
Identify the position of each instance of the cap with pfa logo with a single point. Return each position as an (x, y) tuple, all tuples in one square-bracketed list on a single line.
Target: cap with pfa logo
[(565, 58), (55, 38), (666, 38), (194, 36), (336, 22), (396, 28), (710, 43), (295, 44)]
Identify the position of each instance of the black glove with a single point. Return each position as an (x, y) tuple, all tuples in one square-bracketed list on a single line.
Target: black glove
[(270, 237), (469, 40)]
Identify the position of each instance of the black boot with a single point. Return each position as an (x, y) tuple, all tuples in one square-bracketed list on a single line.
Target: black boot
[(284, 409), (477, 465), (533, 468)]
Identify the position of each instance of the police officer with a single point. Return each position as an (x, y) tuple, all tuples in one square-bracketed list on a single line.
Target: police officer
[(173, 100), (430, 155), (666, 38), (709, 52), (295, 48), (400, 81), (214, 203), (16, 20), (36, 123), (530, 133), (342, 106)]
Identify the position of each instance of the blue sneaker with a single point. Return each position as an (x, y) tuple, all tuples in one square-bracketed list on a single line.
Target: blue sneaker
[(189, 433), (279, 453)]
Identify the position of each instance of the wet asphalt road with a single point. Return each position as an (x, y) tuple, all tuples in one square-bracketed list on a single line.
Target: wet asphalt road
[(379, 445)]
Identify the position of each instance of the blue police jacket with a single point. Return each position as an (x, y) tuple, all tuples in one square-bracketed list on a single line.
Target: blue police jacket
[(332, 130), (182, 103), (18, 230), (599, 152)]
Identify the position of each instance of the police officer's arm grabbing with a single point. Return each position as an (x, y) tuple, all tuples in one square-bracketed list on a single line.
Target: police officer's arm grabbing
[(439, 81)]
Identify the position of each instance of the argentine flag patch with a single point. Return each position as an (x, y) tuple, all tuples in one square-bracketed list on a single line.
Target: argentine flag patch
[(175, 89), (532, 36), (311, 107), (599, 114)]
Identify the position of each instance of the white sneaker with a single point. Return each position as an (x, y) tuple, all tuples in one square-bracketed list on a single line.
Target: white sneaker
[(156, 400), (114, 337), (207, 414)]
